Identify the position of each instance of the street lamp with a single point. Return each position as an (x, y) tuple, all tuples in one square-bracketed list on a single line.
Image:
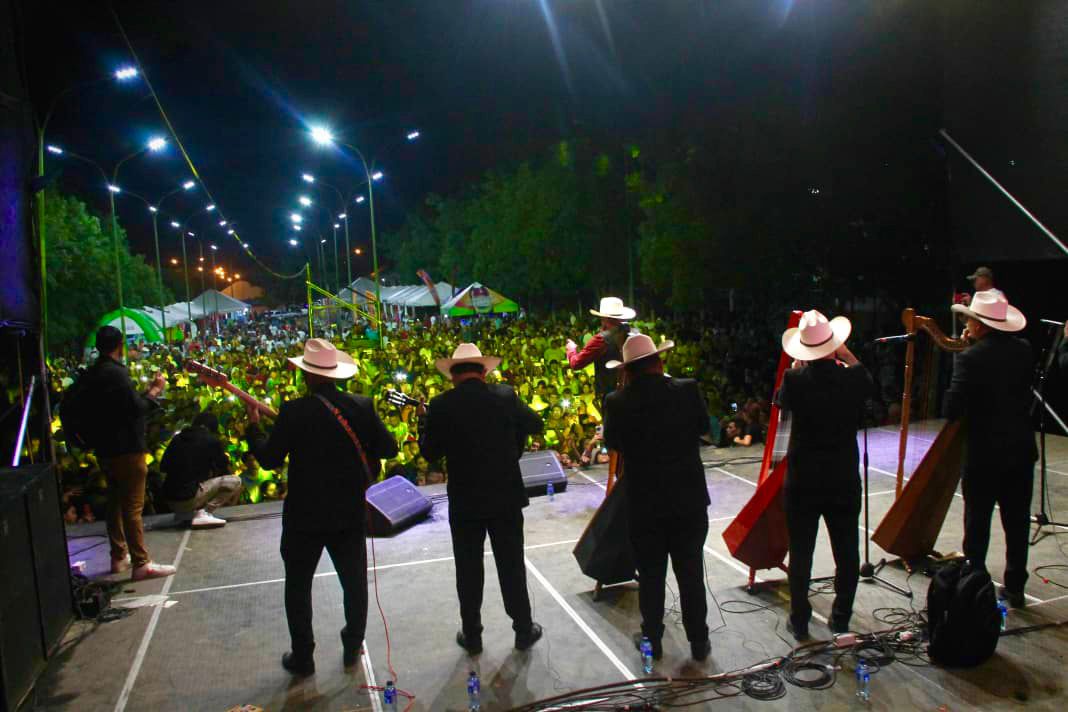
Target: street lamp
[(307, 177), (293, 242), (126, 73), (305, 201)]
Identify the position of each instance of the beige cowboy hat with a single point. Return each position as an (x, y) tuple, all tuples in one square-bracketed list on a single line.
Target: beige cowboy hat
[(613, 308), (637, 347), (990, 307), (815, 337), (321, 358), (467, 353)]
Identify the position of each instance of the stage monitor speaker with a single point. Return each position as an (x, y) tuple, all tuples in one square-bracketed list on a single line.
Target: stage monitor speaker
[(394, 504), (35, 597), (539, 469)]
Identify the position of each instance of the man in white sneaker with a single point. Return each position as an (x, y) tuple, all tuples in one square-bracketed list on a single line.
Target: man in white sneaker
[(120, 447), (198, 474)]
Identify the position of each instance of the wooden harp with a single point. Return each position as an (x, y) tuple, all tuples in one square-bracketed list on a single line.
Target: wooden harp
[(912, 524)]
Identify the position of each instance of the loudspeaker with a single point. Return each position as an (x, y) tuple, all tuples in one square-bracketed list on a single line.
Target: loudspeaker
[(539, 469), (394, 504), (35, 599)]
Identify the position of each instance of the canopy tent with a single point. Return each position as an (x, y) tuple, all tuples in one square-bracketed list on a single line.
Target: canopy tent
[(138, 323), (421, 296), (176, 314), (357, 290), (478, 299), (215, 302)]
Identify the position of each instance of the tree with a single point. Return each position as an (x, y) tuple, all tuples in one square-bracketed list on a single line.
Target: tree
[(82, 273)]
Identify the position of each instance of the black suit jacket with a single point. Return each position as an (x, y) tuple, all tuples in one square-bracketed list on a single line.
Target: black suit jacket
[(326, 479), (991, 391), (193, 456), (655, 421), (826, 406), (480, 429), (121, 410)]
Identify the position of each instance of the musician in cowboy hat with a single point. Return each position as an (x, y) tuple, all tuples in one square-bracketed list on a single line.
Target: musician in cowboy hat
[(605, 346), (481, 430), (656, 421), (335, 443), (825, 395), (991, 390)]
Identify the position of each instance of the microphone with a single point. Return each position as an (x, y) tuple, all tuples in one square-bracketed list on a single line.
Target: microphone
[(894, 339)]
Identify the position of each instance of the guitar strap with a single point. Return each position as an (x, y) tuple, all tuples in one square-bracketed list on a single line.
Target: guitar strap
[(349, 431)]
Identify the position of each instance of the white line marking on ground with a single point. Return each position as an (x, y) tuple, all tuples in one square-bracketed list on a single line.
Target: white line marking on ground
[(612, 658), (737, 477), (139, 659), (878, 494), (381, 567), (369, 673)]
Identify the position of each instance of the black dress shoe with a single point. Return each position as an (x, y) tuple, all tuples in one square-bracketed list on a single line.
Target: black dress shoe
[(1016, 599), (300, 666), (473, 646), (525, 641), (800, 633), (658, 646), (350, 654), (700, 649)]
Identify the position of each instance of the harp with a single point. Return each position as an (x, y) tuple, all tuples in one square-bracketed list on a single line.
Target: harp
[(912, 524), (757, 536)]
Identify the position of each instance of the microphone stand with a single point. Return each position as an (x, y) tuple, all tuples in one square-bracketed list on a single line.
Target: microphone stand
[(1044, 365)]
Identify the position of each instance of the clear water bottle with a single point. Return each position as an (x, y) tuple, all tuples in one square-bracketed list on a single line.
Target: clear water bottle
[(474, 692), (863, 681), (1003, 609), (551, 491), (389, 697), (646, 648)]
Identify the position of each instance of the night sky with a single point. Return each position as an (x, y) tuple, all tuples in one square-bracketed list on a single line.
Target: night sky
[(489, 82)]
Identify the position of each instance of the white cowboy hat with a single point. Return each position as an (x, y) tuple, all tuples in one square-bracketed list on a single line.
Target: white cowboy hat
[(815, 337), (321, 358), (613, 308), (637, 347), (467, 353), (990, 307)]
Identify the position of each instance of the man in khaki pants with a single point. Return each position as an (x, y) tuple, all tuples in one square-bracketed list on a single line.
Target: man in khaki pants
[(119, 442)]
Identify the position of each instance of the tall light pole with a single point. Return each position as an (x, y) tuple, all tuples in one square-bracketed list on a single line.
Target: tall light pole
[(185, 270), (324, 137), (122, 74), (343, 202), (215, 289)]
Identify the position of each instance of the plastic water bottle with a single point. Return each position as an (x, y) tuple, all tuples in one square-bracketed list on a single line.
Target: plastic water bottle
[(1004, 611), (474, 692), (389, 697), (863, 681), (551, 491), (646, 649)]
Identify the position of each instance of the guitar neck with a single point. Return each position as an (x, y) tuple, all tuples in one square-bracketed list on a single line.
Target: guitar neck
[(262, 407)]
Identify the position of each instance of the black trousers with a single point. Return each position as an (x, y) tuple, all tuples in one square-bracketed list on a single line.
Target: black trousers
[(506, 540), (841, 512), (301, 552), (653, 540), (1011, 490)]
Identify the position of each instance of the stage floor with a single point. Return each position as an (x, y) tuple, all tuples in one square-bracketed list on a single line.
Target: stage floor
[(216, 640)]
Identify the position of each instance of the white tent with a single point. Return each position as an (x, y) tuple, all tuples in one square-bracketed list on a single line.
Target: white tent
[(357, 290), (215, 302), (176, 314), (421, 296)]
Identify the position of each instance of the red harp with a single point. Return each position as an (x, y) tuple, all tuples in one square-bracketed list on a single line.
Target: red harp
[(757, 536)]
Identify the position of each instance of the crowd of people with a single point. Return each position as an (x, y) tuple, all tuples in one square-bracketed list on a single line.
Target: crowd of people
[(731, 361)]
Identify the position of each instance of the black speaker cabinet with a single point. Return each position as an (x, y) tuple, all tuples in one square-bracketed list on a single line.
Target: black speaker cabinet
[(394, 504), (35, 597), (539, 469)]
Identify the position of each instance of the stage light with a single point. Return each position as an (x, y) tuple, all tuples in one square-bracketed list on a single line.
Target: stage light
[(305, 201), (307, 177), (322, 135), (188, 185), (157, 143), (125, 73), (55, 149)]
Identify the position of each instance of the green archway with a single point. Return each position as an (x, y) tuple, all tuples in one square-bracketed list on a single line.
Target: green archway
[(149, 327)]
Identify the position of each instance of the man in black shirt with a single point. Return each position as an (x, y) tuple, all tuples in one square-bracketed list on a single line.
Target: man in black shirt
[(335, 443), (119, 442), (825, 402), (481, 430), (198, 474)]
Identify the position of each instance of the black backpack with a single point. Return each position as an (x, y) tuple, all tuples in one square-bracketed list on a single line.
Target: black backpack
[(963, 621), (76, 414)]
